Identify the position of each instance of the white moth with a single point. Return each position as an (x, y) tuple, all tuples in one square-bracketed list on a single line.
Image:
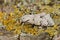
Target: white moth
[(38, 19)]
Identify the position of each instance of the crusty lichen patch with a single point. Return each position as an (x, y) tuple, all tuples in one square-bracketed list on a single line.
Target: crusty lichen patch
[(11, 20)]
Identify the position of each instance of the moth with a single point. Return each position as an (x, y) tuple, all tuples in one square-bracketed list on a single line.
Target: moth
[(41, 19)]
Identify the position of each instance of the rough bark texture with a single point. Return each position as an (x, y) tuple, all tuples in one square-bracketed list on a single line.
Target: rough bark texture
[(43, 36), (7, 38)]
